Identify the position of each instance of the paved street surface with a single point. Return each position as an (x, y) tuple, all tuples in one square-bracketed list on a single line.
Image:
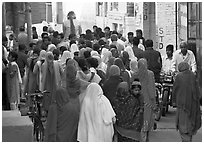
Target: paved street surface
[(166, 131)]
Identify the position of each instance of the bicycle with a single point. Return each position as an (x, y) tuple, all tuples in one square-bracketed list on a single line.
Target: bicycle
[(35, 114)]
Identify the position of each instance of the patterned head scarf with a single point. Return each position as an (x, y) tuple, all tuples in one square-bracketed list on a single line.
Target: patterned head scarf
[(122, 90)]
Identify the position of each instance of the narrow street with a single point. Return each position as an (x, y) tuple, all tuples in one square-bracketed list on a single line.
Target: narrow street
[(166, 131)]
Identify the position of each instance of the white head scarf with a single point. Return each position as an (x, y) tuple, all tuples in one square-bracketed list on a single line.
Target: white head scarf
[(94, 53), (130, 52), (106, 55), (74, 48), (43, 54), (95, 122), (66, 54), (51, 47)]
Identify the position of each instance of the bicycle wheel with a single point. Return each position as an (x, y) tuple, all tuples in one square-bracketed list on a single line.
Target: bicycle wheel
[(165, 102), (39, 135), (39, 130)]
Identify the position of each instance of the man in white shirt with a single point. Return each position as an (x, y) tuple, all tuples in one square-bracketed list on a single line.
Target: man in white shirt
[(167, 62), (129, 41), (183, 54)]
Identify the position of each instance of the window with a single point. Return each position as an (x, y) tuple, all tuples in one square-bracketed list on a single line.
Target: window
[(105, 8), (114, 6), (99, 7), (130, 9), (195, 20)]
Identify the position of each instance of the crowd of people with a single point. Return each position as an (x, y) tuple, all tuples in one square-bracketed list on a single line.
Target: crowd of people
[(100, 83)]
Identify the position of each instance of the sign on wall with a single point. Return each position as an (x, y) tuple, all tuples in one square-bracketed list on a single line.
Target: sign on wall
[(166, 26)]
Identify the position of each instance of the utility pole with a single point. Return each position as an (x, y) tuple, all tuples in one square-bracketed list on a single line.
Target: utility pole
[(3, 19), (28, 21)]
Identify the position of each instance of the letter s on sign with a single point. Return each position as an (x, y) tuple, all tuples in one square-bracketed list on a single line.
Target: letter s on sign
[(161, 31)]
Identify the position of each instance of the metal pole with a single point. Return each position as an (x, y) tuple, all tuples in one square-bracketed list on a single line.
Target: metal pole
[(3, 19), (28, 21), (176, 24)]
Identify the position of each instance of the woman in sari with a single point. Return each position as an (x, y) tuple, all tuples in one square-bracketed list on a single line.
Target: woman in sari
[(129, 113), (146, 78), (75, 86), (51, 78), (186, 92), (38, 68), (110, 85), (63, 117), (96, 117)]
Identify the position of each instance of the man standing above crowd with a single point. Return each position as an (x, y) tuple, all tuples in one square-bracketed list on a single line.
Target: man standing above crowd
[(154, 60), (22, 37), (71, 26), (183, 54)]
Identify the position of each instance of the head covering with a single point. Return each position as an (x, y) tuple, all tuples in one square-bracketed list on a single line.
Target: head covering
[(120, 64), (95, 123), (51, 47), (130, 52), (183, 66), (134, 66), (81, 52), (103, 51), (72, 82), (74, 48), (122, 90), (66, 54), (43, 54), (94, 53), (109, 64), (114, 70), (106, 55), (142, 70), (49, 56)]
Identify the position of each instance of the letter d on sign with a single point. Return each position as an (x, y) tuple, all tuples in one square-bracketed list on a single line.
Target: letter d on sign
[(161, 45)]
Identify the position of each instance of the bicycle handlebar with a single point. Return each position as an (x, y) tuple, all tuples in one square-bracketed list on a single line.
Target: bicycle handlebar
[(38, 93)]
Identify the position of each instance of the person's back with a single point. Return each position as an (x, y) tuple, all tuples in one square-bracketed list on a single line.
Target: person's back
[(22, 37), (22, 59), (137, 51), (63, 117), (154, 60)]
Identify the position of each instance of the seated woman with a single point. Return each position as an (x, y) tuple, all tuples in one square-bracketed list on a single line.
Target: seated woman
[(63, 117), (129, 112)]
